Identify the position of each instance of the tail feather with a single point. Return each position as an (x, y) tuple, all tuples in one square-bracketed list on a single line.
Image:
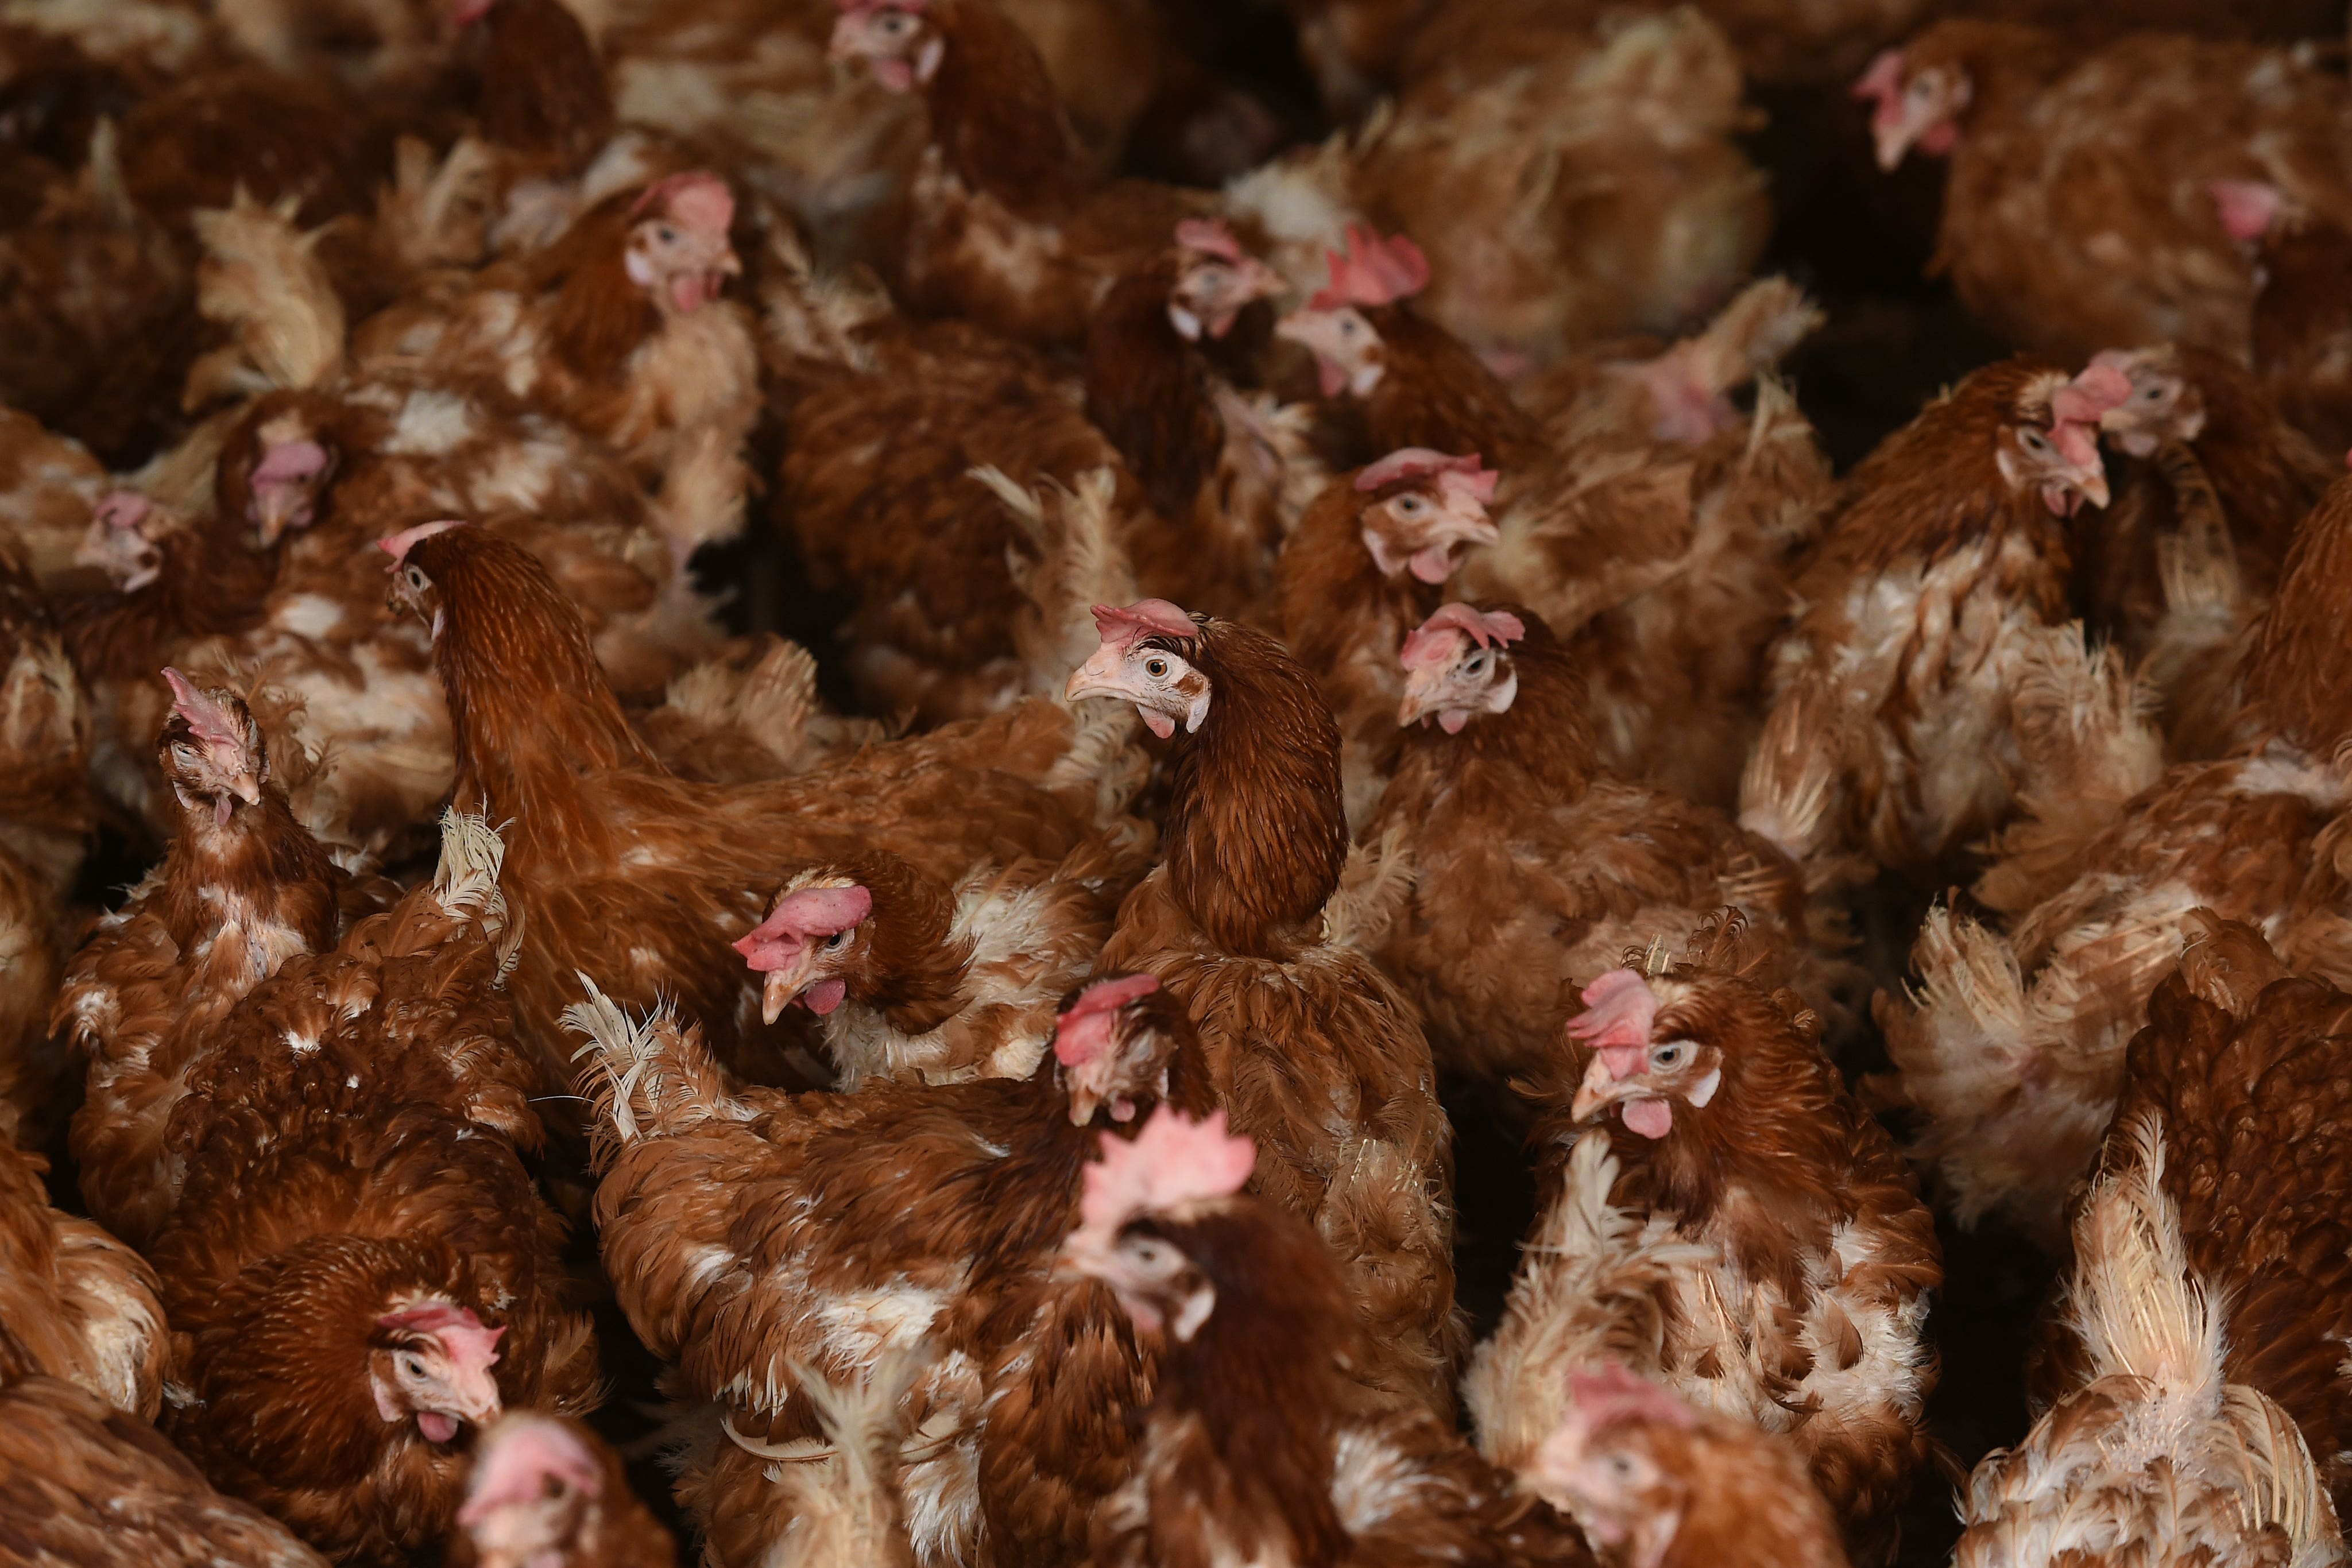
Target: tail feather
[(465, 881), (2081, 722), (646, 1079), (1593, 1288), (266, 285), (1750, 335), (1790, 792), (1374, 887)]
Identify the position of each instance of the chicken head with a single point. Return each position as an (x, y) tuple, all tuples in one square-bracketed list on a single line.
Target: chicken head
[(121, 542), (678, 252), (809, 937), (1421, 507), (895, 39), (1631, 1070), (1919, 108), (2050, 442), (534, 1479), (1137, 1197), (1139, 661), (2162, 405), (1369, 271), (1602, 1467), (289, 478), (211, 749), (1216, 280), (412, 591), (1458, 665), (1107, 1049), (430, 1360)]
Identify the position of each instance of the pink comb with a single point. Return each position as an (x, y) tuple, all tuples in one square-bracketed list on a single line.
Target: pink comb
[(123, 508), (290, 461), (1175, 1160), (397, 546), (2076, 408), (1433, 642), (1620, 1009), (1411, 462), (1609, 1396), (1210, 236), (470, 1345), (1083, 1034), (1124, 628), (698, 199), (210, 721), (2248, 208), (798, 916), (516, 1460), (1884, 80), (1372, 271)]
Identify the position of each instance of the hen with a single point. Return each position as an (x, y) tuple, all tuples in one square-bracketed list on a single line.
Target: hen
[(1752, 1238), (2012, 1046), (1534, 869), (547, 1492), (358, 1266), (627, 872), (1574, 175), (619, 326), (1649, 508), (75, 1303), (2157, 1452), (1890, 731), (2041, 135), (1367, 562), (1312, 1047), (761, 1241), (2301, 331), (85, 1486), (921, 981), (242, 889), (1007, 226), (1658, 1481), (1260, 1445)]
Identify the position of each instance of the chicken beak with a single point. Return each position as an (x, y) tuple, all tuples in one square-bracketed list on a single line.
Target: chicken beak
[(784, 985), (1892, 142), (476, 1397), (248, 787), (278, 511), (1596, 1094), (1102, 676), (2093, 483), (1258, 281), (1424, 694)]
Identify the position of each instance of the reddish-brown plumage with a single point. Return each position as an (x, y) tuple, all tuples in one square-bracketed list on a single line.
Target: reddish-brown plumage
[(1537, 870), (2240, 1070), (1437, 393), (75, 1303), (543, 89), (2297, 673), (1315, 1052), (641, 878), (1260, 1446), (745, 1229), (2303, 326)]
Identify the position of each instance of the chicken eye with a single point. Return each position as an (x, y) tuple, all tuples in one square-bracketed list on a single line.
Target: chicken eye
[(665, 233), (1411, 506), (2150, 394), (1667, 1057), (1347, 326), (416, 579), (412, 1367), (836, 940), (1621, 1466), (1156, 668), (894, 24), (1920, 90), (1475, 664), (2031, 440)]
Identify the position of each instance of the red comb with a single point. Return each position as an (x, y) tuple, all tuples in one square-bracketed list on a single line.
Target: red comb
[(1884, 80), (1083, 1034), (210, 721), (1411, 462), (798, 916), (397, 546), (698, 199), (1124, 628), (1431, 642), (2076, 408), (1609, 1396), (1175, 1160), (2248, 208), (1210, 236), (1620, 1009), (516, 1459), (473, 1347), (1372, 271)]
